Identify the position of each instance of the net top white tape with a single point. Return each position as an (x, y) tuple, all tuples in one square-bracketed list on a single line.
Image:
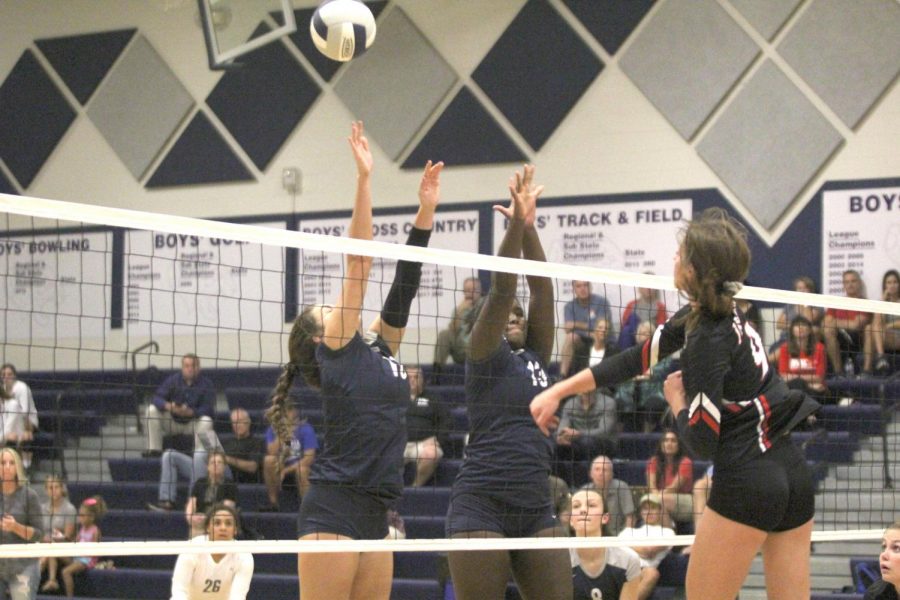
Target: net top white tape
[(166, 223), (151, 548)]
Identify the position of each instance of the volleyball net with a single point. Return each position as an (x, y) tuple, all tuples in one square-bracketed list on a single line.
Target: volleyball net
[(100, 305)]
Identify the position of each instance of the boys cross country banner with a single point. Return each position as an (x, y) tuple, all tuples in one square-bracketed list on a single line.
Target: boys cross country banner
[(626, 236), (55, 286), (177, 283), (861, 231), (321, 274)]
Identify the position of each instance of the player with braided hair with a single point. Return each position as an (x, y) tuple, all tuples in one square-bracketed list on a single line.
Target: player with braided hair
[(357, 475)]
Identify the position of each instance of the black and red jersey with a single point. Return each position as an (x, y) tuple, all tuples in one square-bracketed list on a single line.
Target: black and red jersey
[(737, 404)]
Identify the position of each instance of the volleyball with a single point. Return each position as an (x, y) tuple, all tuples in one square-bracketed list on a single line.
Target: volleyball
[(342, 29)]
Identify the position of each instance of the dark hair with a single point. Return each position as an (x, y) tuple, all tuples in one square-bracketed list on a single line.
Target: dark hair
[(714, 246), (219, 507), (302, 361), (793, 348), (662, 461), (887, 274), (96, 505), (4, 395)]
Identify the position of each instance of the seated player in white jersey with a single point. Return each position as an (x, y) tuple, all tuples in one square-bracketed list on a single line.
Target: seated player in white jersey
[(214, 576)]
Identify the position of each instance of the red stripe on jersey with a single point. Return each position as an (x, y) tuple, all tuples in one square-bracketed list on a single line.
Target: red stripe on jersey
[(735, 408), (764, 426), (645, 356), (710, 422)]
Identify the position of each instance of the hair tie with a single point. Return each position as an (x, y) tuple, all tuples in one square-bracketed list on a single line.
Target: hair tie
[(730, 287), (90, 502)]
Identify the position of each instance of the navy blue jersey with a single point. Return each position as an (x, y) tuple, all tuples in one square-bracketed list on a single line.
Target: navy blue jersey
[(365, 394), (507, 457), (737, 405), (622, 565)]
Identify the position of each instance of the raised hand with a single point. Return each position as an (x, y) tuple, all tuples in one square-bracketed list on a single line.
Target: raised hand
[(430, 187), (359, 144), (524, 195)]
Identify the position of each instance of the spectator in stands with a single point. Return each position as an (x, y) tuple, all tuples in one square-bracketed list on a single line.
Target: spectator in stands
[(427, 426), (581, 314), (21, 524), (207, 491), (801, 359), (601, 344), (646, 308), (89, 514), (453, 341), (617, 497), (588, 427), (227, 576), (289, 464), (184, 404), (652, 517), (243, 461), (18, 414), (60, 518), (845, 330), (608, 573), (813, 314), (885, 330), (889, 562), (670, 473), (640, 400)]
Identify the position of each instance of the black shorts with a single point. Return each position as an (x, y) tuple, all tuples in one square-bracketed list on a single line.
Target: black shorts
[(344, 511), (473, 512), (773, 492)]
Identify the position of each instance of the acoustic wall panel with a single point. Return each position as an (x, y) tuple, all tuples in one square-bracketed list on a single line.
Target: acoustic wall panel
[(686, 59), (768, 144), (6, 186), (848, 52), (610, 21), (82, 61), (397, 85), (139, 106), (766, 16)]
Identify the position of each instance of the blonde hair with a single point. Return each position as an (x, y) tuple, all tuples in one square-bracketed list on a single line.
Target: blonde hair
[(21, 477)]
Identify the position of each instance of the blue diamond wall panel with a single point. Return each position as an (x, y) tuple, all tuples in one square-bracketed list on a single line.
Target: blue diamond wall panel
[(325, 67), (768, 144), (82, 61), (686, 58), (200, 155), (848, 52), (766, 16), (139, 106), (537, 71), (397, 85), (610, 21), (263, 101), (465, 134), (34, 116)]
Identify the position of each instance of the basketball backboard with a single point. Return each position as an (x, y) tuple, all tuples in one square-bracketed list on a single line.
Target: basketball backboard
[(229, 27)]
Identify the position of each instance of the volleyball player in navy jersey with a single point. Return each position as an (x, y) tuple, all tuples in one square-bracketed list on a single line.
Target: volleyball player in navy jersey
[(730, 407), (358, 473), (502, 489)]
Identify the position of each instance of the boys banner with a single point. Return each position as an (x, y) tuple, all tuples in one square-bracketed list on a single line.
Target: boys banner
[(861, 231)]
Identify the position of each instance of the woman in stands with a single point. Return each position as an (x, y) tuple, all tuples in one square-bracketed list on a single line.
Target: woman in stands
[(207, 491), (802, 361), (502, 489), (889, 562), (17, 413), (670, 473), (214, 576), (732, 408), (886, 329), (357, 475), (21, 523), (608, 573), (60, 521)]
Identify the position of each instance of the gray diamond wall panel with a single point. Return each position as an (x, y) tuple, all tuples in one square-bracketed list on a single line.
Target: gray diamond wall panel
[(34, 116)]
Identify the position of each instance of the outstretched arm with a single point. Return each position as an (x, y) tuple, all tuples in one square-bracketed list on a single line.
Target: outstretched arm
[(391, 323), (342, 323), (492, 320)]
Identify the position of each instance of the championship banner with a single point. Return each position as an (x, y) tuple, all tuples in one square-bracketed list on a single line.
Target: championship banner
[(322, 274), (860, 231), (56, 286), (184, 283)]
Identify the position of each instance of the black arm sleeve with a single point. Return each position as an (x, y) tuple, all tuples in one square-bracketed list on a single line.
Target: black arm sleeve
[(406, 283)]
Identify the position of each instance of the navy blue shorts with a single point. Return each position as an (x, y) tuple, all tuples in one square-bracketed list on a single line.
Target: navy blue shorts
[(773, 492), (344, 511), (473, 512)]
